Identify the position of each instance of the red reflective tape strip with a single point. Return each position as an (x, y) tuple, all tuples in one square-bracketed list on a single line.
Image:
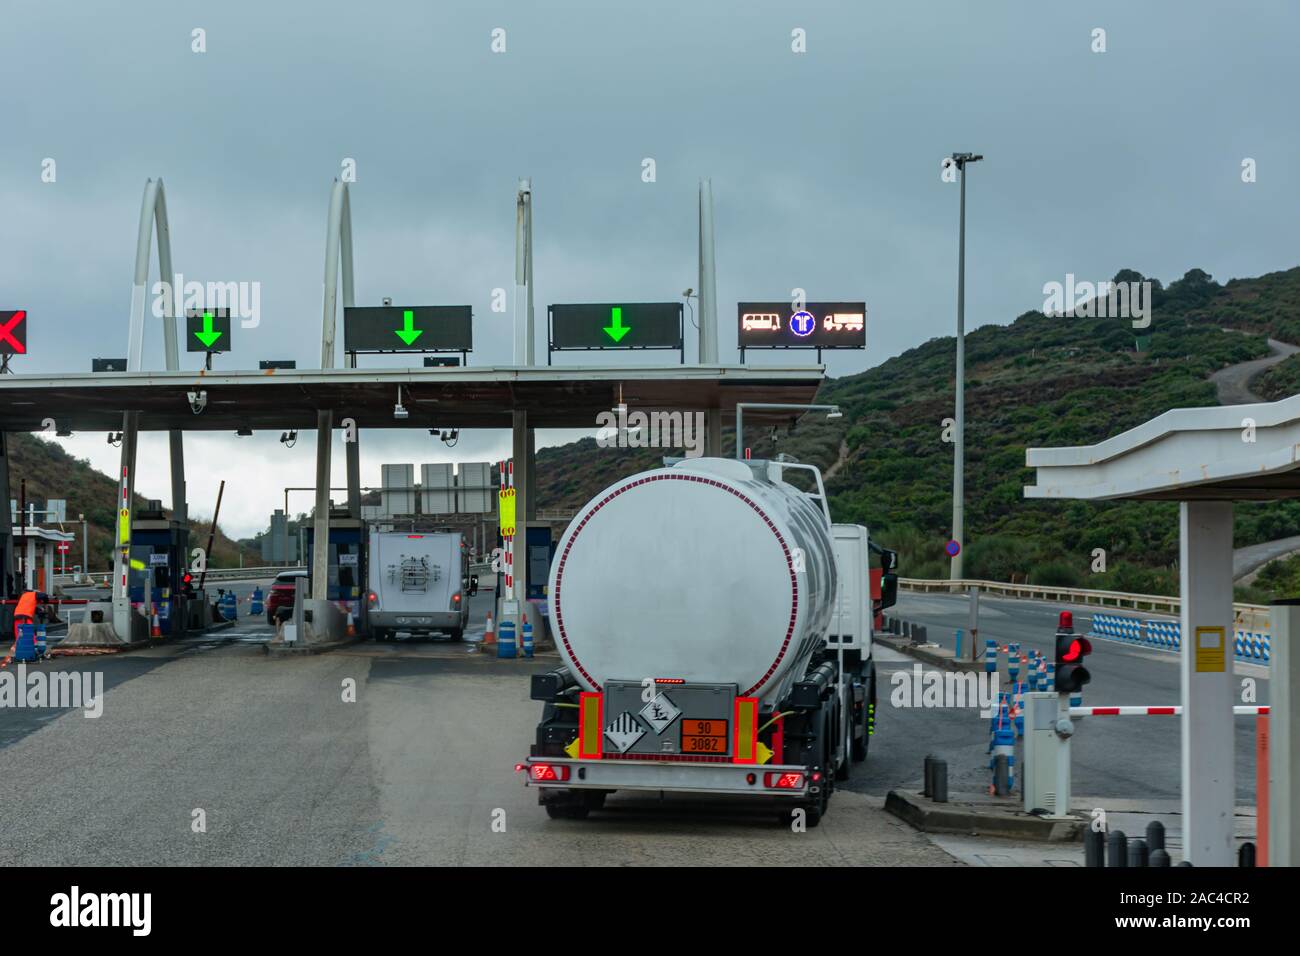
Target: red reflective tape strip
[(1166, 711), (1105, 711)]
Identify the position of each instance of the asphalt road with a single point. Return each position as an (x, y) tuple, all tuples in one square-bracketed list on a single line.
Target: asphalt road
[(418, 770), (421, 766)]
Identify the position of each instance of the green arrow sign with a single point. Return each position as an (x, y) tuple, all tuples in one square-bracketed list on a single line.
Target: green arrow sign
[(408, 333), (616, 329), (207, 336)]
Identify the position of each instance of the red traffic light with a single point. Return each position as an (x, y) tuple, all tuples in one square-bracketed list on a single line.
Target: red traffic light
[(1080, 647)]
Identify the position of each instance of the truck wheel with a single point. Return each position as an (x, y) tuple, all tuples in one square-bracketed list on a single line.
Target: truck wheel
[(457, 634), (270, 618)]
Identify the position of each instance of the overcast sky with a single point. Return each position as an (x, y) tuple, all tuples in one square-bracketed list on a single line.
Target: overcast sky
[(825, 168)]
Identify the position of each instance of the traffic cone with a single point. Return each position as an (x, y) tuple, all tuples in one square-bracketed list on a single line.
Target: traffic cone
[(155, 629), (352, 627), (489, 635)]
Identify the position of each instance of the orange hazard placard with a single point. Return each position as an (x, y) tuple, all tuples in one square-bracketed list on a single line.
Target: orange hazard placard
[(506, 512)]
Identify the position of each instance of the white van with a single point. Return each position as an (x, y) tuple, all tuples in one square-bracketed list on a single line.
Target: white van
[(418, 583)]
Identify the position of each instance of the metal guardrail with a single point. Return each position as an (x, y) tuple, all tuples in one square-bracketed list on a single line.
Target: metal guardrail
[(244, 574), (1248, 616)]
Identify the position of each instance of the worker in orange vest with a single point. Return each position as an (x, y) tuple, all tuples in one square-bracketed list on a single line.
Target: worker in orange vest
[(25, 612)]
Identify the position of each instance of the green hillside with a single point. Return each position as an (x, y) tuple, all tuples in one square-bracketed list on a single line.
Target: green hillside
[(1039, 381), (52, 473)]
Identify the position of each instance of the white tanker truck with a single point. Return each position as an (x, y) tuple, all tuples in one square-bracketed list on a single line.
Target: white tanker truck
[(716, 633)]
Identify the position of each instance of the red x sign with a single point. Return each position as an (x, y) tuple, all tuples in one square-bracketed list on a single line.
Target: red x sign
[(13, 333)]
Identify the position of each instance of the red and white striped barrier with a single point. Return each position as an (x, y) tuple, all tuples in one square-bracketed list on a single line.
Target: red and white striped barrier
[(1173, 711)]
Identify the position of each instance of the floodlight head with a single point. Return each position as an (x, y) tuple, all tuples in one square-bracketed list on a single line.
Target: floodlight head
[(400, 412), (835, 413)]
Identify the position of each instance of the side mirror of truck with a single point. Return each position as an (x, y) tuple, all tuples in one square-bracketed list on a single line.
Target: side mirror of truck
[(473, 585), (888, 590)]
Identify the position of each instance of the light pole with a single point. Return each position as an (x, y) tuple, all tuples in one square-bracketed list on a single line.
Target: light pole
[(85, 548), (959, 452), (832, 411)]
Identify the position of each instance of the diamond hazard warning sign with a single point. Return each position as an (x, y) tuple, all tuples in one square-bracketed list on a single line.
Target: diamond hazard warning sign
[(624, 732), (659, 713)]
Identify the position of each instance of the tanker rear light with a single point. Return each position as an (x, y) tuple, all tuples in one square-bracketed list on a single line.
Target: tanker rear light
[(783, 780), (669, 680), (371, 598), (549, 772), (455, 598)]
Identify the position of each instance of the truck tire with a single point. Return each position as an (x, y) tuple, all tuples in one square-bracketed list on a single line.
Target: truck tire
[(846, 731), (270, 618), (456, 634), (575, 805)]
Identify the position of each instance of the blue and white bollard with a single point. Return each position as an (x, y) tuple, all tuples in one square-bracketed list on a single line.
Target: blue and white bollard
[(1018, 695), (1013, 662), (526, 642), (1031, 670), (256, 608), (990, 657), (39, 640), (506, 639), (1049, 678)]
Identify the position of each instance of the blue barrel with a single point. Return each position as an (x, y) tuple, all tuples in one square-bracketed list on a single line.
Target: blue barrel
[(256, 609), (526, 643), (229, 608), (506, 639), (25, 645)]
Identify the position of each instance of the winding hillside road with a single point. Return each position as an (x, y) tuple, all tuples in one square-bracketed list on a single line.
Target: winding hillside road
[(1233, 387), (1233, 383)]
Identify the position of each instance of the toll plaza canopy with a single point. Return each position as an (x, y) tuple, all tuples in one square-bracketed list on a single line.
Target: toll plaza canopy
[(448, 397), (1231, 453)]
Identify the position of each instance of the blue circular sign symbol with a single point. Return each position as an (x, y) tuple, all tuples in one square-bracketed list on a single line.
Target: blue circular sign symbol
[(802, 324), (953, 549)]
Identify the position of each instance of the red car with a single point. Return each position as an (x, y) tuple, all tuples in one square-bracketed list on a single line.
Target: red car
[(281, 594)]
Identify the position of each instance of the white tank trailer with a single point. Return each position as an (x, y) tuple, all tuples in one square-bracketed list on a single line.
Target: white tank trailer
[(715, 629)]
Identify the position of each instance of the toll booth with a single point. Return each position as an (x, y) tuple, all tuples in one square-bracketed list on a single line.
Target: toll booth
[(159, 556), (348, 545)]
